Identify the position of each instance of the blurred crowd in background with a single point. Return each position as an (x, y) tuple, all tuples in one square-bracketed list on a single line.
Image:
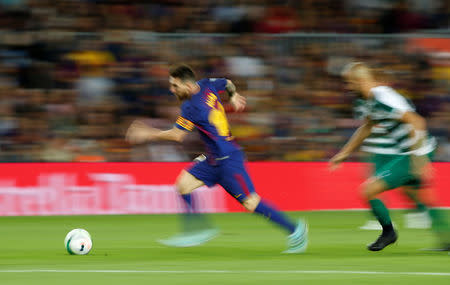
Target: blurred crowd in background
[(232, 16), (74, 74)]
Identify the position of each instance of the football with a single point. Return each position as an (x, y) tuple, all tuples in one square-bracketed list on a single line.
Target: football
[(78, 242)]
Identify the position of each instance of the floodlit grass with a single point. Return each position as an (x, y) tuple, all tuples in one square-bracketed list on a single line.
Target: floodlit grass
[(248, 251)]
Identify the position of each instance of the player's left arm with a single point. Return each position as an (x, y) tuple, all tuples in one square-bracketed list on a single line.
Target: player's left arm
[(353, 143), (238, 101), (139, 132)]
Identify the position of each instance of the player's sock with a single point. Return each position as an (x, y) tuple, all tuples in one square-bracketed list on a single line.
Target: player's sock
[(382, 214), (421, 207), (441, 227), (187, 198), (187, 219), (438, 221), (193, 220), (275, 216)]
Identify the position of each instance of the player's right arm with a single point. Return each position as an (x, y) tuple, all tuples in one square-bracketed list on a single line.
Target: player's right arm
[(238, 101), (140, 132), (420, 163), (354, 143)]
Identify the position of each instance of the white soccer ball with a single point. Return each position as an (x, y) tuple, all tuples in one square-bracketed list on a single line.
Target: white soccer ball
[(78, 241)]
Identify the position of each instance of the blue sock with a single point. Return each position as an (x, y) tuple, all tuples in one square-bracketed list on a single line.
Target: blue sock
[(188, 203), (275, 216), (191, 219)]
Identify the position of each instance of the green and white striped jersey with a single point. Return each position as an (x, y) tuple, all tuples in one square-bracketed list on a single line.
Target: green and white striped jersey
[(389, 135)]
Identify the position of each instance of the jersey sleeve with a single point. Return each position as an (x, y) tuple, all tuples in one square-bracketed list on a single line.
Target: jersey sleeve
[(394, 104), (218, 83), (185, 121), (360, 110)]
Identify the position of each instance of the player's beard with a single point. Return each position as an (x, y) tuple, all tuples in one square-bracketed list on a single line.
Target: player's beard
[(360, 95), (357, 94), (183, 96)]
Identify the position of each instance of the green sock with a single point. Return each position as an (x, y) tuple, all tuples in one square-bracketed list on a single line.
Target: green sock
[(381, 212), (439, 223), (419, 205)]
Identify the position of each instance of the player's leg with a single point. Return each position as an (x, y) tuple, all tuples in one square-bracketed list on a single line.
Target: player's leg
[(185, 184), (431, 216), (198, 174), (297, 234), (253, 203), (236, 181), (392, 174), (371, 189), (374, 162), (421, 172), (419, 218), (196, 227)]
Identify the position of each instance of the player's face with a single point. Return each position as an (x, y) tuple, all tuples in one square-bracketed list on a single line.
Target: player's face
[(179, 88), (352, 84)]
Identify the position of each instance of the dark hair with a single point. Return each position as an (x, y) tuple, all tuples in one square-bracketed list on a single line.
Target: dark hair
[(182, 71)]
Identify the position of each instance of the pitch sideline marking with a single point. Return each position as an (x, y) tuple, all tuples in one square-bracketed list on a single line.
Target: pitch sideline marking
[(228, 272)]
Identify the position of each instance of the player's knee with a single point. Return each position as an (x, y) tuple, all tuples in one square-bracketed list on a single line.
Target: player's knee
[(181, 186), (366, 192), (251, 202), (409, 191), (370, 189)]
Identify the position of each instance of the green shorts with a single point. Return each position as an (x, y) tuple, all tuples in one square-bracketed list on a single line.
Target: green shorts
[(395, 170)]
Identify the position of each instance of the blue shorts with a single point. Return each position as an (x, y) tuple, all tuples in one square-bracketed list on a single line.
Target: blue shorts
[(229, 172)]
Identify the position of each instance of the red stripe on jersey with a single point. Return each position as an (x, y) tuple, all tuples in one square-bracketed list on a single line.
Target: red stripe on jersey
[(241, 182)]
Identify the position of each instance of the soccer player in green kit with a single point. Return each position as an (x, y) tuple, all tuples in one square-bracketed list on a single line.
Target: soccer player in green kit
[(397, 138)]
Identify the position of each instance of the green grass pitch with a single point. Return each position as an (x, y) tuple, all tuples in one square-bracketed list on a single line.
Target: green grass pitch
[(248, 251)]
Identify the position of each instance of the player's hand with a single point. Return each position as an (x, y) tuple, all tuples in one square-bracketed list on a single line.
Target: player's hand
[(335, 161), (139, 132), (238, 102)]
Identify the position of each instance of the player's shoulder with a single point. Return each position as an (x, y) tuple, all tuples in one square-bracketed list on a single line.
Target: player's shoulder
[(188, 106), (383, 90), (360, 108), (210, 80), (203, 81), (191, 107), (390, 97), (385, 93)]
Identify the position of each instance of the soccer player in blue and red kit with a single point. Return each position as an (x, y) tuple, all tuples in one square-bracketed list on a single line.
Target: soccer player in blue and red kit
[(224, 163)]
